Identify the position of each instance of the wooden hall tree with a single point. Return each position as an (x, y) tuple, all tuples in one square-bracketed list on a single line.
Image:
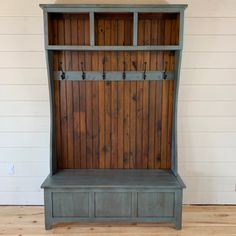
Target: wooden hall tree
[(113, 80)]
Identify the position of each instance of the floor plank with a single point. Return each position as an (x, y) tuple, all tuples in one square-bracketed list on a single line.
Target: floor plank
[(197, 220)]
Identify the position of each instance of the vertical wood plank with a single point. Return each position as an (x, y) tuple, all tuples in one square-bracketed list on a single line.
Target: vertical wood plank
[(164, 125), (167, 40), (95, 124), (76, 96), (76, 122), (69, 98), (120, 115), (64, 127), (145, 124), (114, 125), (82, 115), (101, 124), (114, 98), (170, 119), (63, 108), (133, 106), (89, 124), (158, 124), (82, 101), (160, 41), (126, 124), (107, 124), (86, 31), (95, 107), (89, 100), (139, 124), (100, 41), (151, 123)]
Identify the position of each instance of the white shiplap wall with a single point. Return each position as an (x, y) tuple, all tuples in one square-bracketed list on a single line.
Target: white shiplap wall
[(207, 110)]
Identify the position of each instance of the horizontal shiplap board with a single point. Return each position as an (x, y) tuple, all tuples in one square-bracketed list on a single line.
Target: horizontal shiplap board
[(207, 108), (22, 60), (21, 198), (21, 25), (207, 139), (21, 184), (22, 8), (34, 169), (207, 169), (24, 108), (14, 43), (210, 184), (210, 26), (199, 43), (207, 77), (203, 93), (24, 124), (21, 154), (24, 140), (207, 124), (23, 76), (209, 43), (206, 154), (24, 92), (216, 60), (201, 197), (200, 8)]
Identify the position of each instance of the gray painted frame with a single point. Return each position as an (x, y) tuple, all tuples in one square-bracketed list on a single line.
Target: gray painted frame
[(176, 219), (115, 75), (91, 9)]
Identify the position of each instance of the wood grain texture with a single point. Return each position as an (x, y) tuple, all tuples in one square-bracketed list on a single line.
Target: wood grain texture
[(204, 220), (106, 124), (111, 124)]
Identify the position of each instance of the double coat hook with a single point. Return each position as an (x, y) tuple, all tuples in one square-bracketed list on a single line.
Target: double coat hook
[(103, 69), (124, 69), (63, 74), (145, 70), (82, 69)]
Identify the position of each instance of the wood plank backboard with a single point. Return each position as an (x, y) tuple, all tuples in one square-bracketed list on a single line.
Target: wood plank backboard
[(114, 124)]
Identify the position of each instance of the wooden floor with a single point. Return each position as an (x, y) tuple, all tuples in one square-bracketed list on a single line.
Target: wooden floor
[(197, 220)]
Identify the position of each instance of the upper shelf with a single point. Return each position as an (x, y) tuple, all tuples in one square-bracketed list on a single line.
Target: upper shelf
[(113, 30), (113, 7)]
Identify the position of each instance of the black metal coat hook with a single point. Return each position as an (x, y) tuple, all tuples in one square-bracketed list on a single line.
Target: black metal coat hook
[(145, 70), (82, 69), (103, 69), (124, 69), (164, 73), (63, 74)]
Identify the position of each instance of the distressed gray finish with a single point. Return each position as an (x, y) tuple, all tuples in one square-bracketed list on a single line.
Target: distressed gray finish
[(113, 48), (156, 204), (118, 178), (73, 8), (68, 204), (90, 195), (113, 204), (114, 75), (113, 195)]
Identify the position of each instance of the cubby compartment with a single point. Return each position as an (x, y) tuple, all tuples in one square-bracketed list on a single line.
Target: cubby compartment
[(158, 29), (69, 29), (113, 29)]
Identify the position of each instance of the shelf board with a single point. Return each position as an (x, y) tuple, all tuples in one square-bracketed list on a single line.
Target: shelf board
[(71, 8), (105, 178), (113, 48)]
